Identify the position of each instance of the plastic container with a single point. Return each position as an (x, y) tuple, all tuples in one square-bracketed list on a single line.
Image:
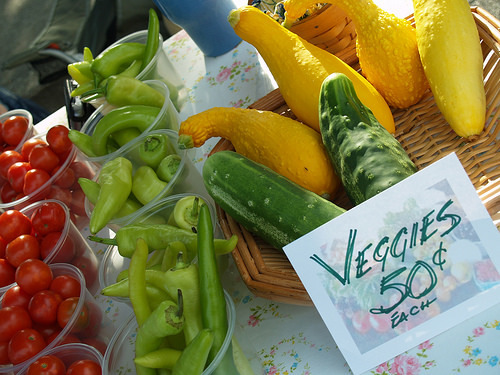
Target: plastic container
[(168, 118), (69, 353), (30, 132), (112, 263), (119, 357), (86, 303), (187, 179), (70, 248)]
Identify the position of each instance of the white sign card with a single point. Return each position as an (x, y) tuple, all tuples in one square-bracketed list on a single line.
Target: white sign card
[(402, 267)]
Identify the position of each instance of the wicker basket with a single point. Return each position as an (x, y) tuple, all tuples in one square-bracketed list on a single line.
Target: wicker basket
[(426, 137)]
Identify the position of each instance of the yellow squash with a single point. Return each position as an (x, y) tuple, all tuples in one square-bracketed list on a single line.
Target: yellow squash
[(300, 67), (386, 46), (450, 50), (287, 146)]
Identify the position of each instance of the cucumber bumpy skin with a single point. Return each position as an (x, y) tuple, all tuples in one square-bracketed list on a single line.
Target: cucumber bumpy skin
[(264, 202), (366, 157)]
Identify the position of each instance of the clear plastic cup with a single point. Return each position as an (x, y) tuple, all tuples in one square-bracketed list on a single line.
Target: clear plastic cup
[(187, 178), (70, 248), (119, 357), (113, 263), (68, 354), (30, 132), (168, 118), (86, 303)]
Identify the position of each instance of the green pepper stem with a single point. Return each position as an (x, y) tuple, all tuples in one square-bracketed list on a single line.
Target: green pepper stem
[(105, 241), (180, 303)]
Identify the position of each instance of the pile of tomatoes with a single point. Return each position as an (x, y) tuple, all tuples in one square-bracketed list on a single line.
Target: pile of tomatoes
[(41, 169), (52, 364), (36, 310)]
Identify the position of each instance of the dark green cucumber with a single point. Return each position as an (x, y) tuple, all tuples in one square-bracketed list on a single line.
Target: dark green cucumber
[(264, 202), (367, 158)]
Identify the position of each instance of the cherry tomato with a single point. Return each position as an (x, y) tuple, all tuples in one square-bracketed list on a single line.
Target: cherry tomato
[(14, 223), (7, 193), (14, 129), (7, 158), (4, 355), (66, 251), (3, 245), (7, 273), (33, 275), (48, 217), (67, 309), (65, 178), (15, 296), (43, 306), (25, 344), (95, 320), (42, 157), (67, 286), (16, 173), (68, 338), (84, 367), (13, 319), (47, 330), (34, 179), (78, 202), (88, 267), (58, 140), (60, 194), (47, 365), (22, 248), (96, 343), (28, 146), (81, 170)]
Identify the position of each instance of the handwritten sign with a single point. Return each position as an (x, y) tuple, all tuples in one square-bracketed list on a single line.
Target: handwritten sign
[(402, 267)]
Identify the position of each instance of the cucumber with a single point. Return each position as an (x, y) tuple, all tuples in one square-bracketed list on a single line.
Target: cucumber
[(366, 157), (264, 202)]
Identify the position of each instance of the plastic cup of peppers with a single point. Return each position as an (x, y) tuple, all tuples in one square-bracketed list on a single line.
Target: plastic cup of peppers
[(64, 244), (150, 168), (84, 325)]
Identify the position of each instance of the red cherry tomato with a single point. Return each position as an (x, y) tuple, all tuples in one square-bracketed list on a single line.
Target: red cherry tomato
[(25, 344), (67, 309), (88, 267), (28, 146), (96, 343), (16, 173), (34, 179), (13, 319), (67, 339), (95, 320), (84, 367), (60, 194), (33, 275), (4, 355), (42, 157), (65, 178), (7, 273), (47, 365), (66, 251), (48, 217), (43, 306), (78, 202), (7, 193), (13, 223), (67, 286), (15, 296), (81, 169), (14, 129), (7, 158), (22, 248), (58, 140)]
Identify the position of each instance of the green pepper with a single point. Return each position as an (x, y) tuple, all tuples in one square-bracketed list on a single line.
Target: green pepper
[(168, 167), (159, 236), (81, 72), (91, 190), (117, 58), (163, 358), (131, 71), (121, 90), (212, 300), (82, 89), (154, 148), (82, 141), (154, 294), (186, 211), (134, 116), (153, 39), (115, 180), (194, 357), (137, 282), (122, 137), (87, 54), (146, 185)]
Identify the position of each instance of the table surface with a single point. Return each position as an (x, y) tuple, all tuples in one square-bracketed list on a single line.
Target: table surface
[(280, 338)]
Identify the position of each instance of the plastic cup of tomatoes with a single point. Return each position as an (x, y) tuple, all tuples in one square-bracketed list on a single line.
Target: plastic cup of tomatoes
[(70, 359), (44, 230), (49, 306), (47, 166), (16, 126)]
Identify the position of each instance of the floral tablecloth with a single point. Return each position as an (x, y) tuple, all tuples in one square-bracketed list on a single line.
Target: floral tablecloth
[(283, 339)]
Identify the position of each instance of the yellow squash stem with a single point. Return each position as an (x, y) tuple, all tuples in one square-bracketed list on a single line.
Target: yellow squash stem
[(300, 67), (450, 50), (287, 146), (386, 46)]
